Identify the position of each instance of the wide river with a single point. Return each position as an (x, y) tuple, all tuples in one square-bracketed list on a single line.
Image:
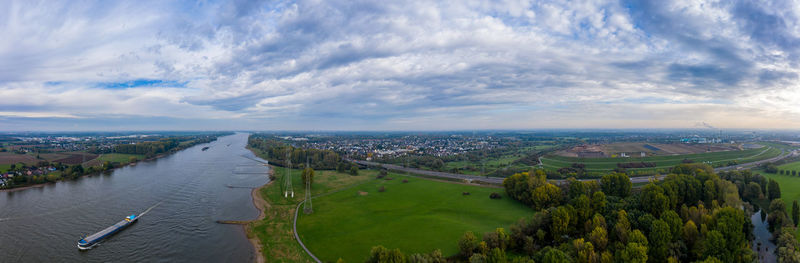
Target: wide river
[(185, 193)]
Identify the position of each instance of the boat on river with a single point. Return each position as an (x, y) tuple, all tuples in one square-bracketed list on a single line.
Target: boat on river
[(92, 240)]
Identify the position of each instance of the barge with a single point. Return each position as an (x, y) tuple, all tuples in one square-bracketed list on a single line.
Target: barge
[(92, 240)]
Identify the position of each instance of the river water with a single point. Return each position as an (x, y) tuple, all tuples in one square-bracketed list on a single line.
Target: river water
[(186, 192), (762, 245)]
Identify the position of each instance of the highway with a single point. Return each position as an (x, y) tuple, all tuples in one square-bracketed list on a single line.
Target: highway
[(499, 181)]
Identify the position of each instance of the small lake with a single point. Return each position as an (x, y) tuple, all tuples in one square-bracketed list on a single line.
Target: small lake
[(186, 193)]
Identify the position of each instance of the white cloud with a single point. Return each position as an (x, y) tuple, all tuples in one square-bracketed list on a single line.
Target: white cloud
[(393, 65)]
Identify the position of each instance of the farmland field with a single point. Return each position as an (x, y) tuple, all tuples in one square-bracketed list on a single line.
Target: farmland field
[(662, 162), (416, 217), (11, 158), (113, 158)]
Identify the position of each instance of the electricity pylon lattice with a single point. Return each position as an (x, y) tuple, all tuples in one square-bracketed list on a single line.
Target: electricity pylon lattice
[(288, 191), (307, 206)]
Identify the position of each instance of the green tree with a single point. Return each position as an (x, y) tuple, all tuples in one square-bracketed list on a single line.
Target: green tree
[(308, 175), (467, 245), (560, 222), (599, 201), (714, 245), (554, 255), (774, 190), (354, 170), (496, 255), (380, 254), (660, 237), (599, 237), (634, 253), (795, 212), (689, 233), (653, 199), (622, 227), (547, 195), (616, 184)]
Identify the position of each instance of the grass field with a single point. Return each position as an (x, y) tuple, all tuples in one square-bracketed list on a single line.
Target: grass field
[(275, 230), (122, 158), (417, 216), (663, 162)]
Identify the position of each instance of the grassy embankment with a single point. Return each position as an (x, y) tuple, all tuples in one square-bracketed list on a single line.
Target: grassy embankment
[(417, 217), (663, 162)]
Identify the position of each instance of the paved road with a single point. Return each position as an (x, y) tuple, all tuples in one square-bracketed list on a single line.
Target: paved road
[(499, 181)]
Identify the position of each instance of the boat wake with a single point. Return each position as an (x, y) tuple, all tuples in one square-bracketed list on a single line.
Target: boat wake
[(150, 208)]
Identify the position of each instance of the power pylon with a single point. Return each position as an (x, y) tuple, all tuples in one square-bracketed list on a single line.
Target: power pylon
[(288, 191), (307, 206)]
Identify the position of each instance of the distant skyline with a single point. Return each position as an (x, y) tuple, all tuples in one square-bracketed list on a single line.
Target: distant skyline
[(398, 65)]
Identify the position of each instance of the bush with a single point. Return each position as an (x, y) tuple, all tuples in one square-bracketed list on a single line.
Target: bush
[(405, 180), (382, 189), (495, 196), (465, 193)]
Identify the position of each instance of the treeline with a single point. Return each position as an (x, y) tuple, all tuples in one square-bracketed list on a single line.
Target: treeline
[(692, 215), (167, 145), (636, 165), (276, 152)]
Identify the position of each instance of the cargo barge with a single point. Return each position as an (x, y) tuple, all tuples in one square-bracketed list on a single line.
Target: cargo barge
[(92, 240)]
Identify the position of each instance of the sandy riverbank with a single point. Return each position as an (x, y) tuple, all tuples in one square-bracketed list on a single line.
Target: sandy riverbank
[(262, 205)]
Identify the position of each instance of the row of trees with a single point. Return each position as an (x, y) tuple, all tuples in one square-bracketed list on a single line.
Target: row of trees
[(277, 151), (172, 144)]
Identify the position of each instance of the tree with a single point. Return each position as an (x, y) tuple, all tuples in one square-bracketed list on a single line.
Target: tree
[(714, 245), (774, 190), (599, 237), (659, 240), (795, 212), (584, 251), (560, 222), (496, 255), (598, 201), (354, 170), (634, 253), (553, 255), (616, 184), (467, 245), (545, 196), (308, 175), (653, 199), (623, 226), (380, 254)]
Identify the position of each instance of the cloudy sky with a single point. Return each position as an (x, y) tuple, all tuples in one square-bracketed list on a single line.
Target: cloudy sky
[(398, 65)]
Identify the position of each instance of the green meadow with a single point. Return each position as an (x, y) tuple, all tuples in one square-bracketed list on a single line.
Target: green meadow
[(418, 216)]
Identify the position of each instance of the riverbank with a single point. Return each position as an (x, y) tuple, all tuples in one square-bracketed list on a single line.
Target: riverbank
[(92, 170), (262, 206)]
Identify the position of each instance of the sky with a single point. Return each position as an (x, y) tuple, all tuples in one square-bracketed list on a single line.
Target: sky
[(398, 65)]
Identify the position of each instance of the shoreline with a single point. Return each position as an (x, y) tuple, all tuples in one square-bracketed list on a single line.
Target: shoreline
[(262, 205), (154, 158)]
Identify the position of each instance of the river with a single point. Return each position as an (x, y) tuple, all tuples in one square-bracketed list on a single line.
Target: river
[(186, 191), (762, 245)]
